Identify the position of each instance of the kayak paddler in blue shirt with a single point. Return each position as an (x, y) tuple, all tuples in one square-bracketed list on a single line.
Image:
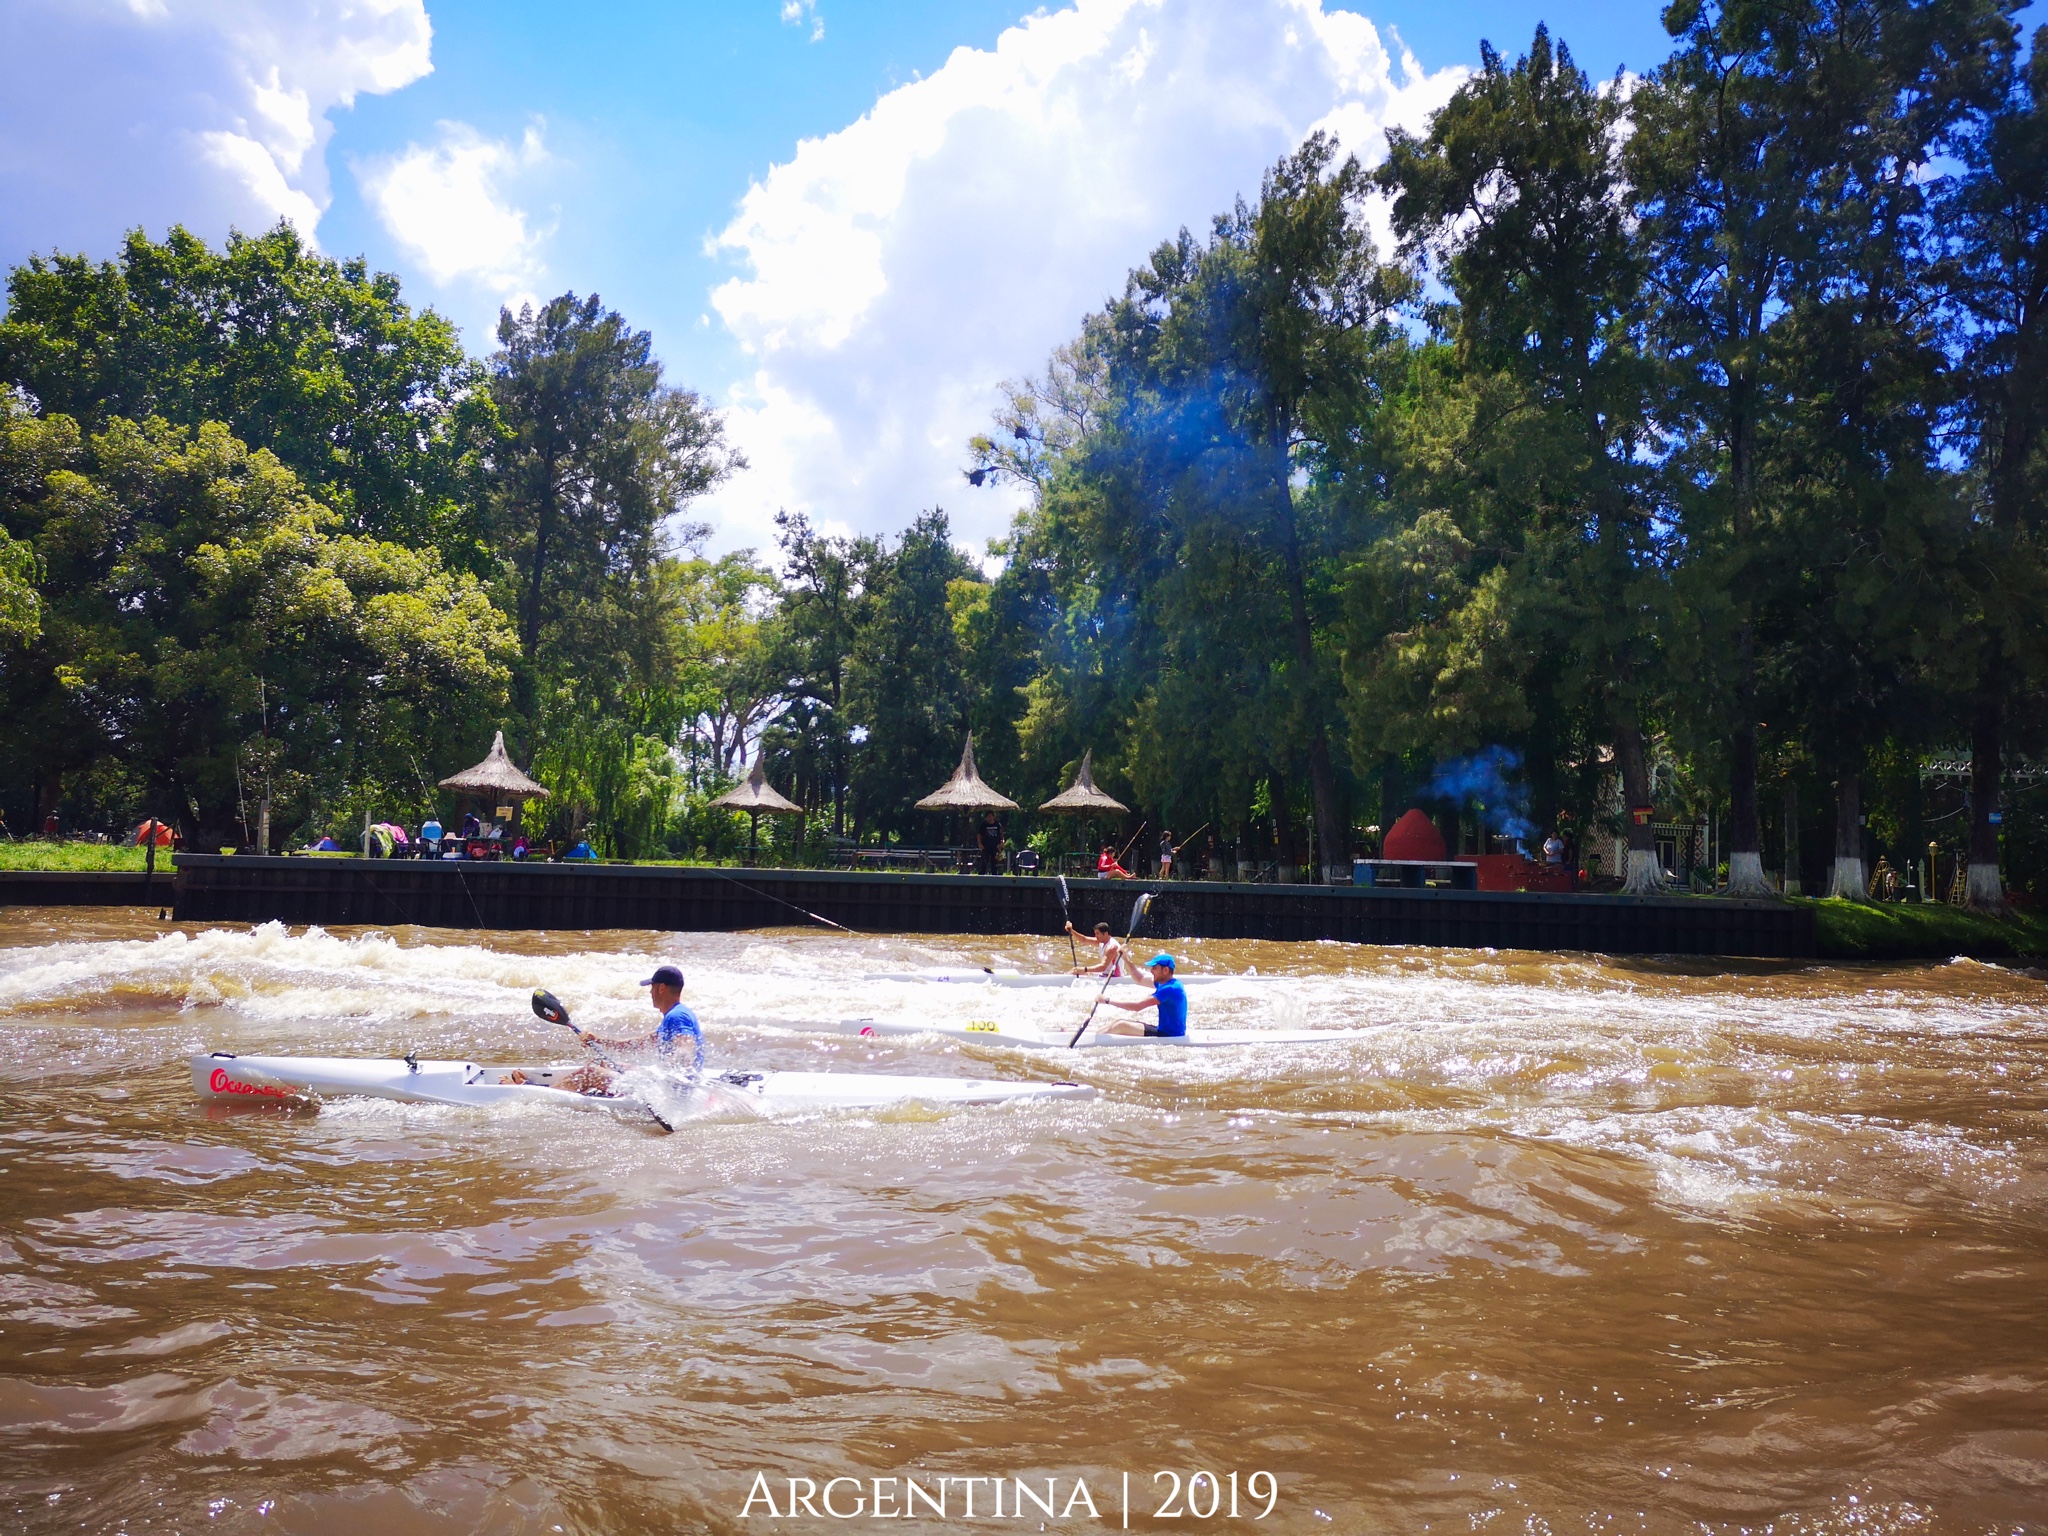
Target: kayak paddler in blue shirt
[(678, 1032), (1168, 996)]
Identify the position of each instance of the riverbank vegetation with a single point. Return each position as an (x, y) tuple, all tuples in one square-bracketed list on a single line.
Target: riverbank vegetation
[(1861, 930), (32, 853), (1681, 457)]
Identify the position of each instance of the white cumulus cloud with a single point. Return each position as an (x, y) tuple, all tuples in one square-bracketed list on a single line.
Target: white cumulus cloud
[(895, 271), (452, 206), (208, 112)]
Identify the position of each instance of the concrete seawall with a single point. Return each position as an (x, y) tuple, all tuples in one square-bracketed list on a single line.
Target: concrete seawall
[(392, 892)]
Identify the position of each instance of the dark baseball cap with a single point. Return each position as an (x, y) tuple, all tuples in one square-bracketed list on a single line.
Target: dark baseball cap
[(665, 976)]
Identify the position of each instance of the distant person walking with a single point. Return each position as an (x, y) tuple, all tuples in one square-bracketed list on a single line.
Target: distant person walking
[(991, 839), (1166, 851)]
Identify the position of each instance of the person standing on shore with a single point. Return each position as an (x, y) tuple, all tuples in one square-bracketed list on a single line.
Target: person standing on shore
[(990, 837)]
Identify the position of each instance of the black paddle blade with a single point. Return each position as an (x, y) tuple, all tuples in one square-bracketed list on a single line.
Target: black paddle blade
[(549, 1006), (1138, 910), (1061, 882)]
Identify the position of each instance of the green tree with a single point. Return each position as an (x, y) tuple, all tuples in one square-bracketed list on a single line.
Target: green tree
[(1994, 220), (1517, 198), (1865, 513), (826, 596), (1741, 139), (197, 598), (907, 693), (372, 405), (1237, 373), (598, 455)]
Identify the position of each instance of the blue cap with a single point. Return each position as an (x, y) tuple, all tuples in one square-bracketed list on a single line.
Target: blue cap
[(1162, 958), (665, 976)]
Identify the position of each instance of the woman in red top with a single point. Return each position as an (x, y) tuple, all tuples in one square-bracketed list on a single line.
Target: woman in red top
[(1107, 867)]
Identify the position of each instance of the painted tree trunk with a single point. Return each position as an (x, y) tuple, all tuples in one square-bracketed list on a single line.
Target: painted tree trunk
[(1644, 875), (1850, 882), (1745, 830), (1791, 815), (1983, 888)]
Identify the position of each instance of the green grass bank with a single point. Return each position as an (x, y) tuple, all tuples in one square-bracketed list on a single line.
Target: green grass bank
[(1854, 930), (78, 856)]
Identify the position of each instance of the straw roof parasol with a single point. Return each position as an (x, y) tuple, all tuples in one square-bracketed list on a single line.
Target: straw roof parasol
[(757, 796), (1082, 797), (495, 776), (965, 791)]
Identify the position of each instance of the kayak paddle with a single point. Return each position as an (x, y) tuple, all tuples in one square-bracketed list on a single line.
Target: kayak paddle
[(1066, 913), (1137, 916), (549, 1008)]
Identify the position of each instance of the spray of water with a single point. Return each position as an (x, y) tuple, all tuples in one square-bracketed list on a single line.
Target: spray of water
[(1485, 781)]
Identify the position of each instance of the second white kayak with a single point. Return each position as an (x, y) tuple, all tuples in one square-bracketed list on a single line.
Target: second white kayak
[(988, 977), (1037, 1038)]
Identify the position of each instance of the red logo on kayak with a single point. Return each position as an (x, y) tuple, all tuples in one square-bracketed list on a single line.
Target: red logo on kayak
[(220, 1082), (868, 1030)]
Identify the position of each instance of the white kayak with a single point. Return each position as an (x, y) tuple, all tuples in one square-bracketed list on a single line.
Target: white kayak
[(223, 1076), (988, 977), (1039, 1038)]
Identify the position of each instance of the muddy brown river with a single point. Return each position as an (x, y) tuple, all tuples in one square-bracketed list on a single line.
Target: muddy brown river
[(1561, 1244)]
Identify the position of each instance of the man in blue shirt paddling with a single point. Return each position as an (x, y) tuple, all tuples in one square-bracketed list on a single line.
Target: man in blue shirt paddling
[(1168, 996), (678, 1026)]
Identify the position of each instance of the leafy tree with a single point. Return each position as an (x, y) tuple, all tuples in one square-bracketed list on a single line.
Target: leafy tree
[(198, 598), (1742, 140), (827, 594), (1517, 196), (598, 454), (907, 694), (1994, 219), (1862, 512), (374, 407), (1235, 371)]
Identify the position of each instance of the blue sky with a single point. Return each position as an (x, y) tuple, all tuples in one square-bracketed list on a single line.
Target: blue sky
[(845, 223), (663, 115)]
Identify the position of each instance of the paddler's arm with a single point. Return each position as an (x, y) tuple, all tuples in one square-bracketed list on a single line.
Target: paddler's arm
[(1139, 1006), (639, 1044)]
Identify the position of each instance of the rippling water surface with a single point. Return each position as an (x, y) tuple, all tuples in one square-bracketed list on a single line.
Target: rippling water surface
[(1563, 1244)]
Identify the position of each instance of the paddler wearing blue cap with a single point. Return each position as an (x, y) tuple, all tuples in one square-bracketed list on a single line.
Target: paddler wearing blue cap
[(665, 991), (1168, 996)]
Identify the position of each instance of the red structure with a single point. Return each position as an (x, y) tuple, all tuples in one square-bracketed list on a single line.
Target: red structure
[(1414, 839)]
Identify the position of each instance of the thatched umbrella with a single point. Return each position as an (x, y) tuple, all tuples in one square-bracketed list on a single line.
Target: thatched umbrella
[(754, 797), (496, 780), (1082, 798), (965, 791)]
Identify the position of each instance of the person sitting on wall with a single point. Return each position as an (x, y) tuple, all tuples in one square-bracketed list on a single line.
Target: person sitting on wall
[(1107, 867)]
